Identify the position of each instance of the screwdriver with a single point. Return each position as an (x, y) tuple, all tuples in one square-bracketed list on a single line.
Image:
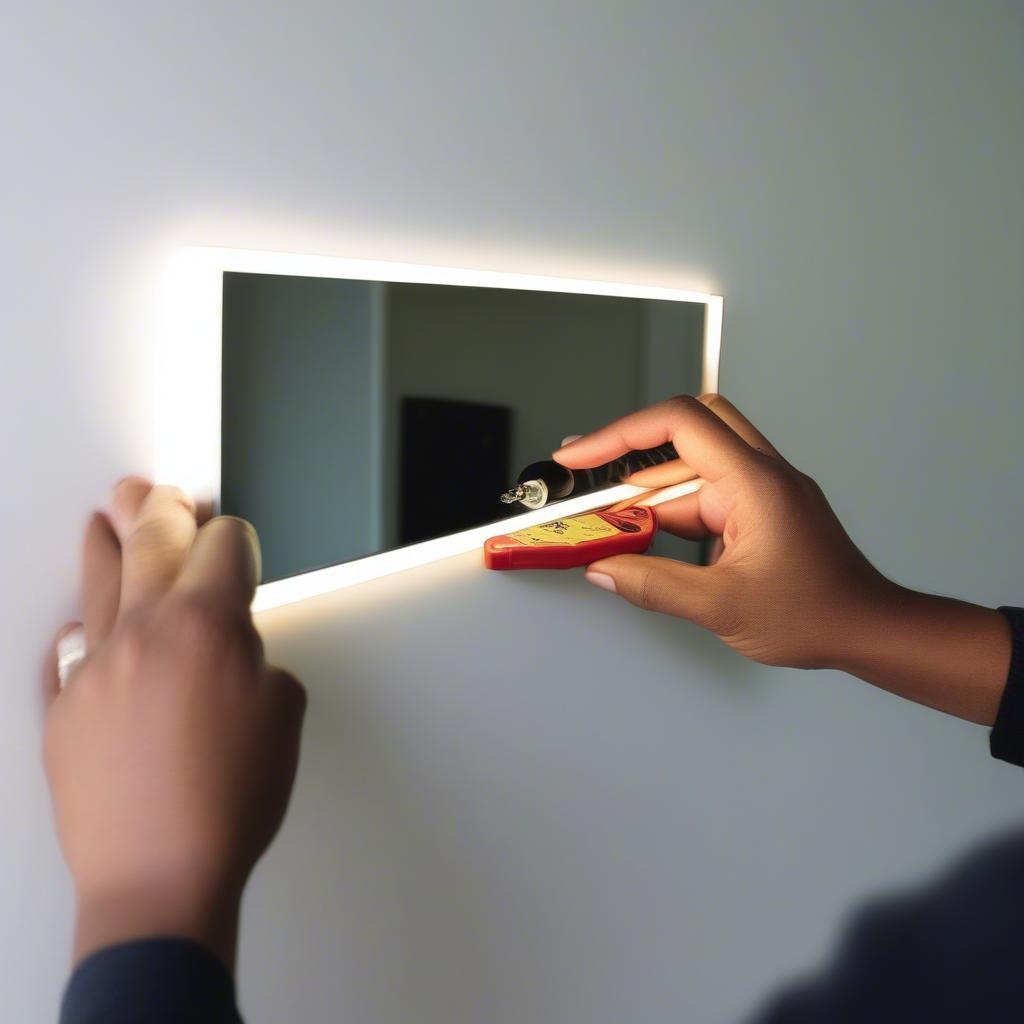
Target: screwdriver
[(546, 481)]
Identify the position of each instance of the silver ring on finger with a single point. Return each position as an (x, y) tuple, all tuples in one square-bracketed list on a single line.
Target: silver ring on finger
[(70, 654)]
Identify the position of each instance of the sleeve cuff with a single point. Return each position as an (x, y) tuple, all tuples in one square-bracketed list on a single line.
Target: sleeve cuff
[(158, 980), (1006, 741)]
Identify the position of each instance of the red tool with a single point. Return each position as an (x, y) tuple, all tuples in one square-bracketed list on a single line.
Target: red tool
[(575, 540)]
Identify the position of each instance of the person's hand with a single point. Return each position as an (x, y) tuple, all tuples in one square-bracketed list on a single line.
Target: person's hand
[(785, 572), (787, 585), (172, 748)]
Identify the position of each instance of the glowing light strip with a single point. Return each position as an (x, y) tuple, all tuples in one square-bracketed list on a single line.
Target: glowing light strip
[(712, 345), (334, 577), (188, 400)]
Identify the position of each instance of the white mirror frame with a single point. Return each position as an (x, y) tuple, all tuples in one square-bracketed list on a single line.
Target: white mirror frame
[(188, 406)]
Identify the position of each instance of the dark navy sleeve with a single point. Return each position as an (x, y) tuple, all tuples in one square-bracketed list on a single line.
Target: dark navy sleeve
[(1006, 741), (944, 952), (151, 981)]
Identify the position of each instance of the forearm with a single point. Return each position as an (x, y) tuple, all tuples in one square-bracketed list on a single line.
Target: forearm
[(946, 654)]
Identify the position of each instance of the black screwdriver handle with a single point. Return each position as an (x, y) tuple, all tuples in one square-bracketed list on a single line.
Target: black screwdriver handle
[(564, 483)]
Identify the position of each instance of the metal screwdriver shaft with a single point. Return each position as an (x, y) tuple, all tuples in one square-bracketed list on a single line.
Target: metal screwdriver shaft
[(531, 493)]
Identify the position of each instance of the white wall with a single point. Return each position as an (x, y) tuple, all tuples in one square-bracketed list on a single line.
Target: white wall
[(650, 829)]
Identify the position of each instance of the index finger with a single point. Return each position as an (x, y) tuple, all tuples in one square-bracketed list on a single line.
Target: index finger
[(673, 472), (153, 543), (223, 561), (704, 442)]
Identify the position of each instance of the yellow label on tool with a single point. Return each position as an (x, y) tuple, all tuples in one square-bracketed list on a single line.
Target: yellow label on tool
[(575, 530)]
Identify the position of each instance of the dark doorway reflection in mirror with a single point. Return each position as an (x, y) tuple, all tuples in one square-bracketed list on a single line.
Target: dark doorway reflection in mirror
[(360, 416)]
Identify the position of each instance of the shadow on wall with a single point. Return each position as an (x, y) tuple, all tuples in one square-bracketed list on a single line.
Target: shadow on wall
[(441, 816)]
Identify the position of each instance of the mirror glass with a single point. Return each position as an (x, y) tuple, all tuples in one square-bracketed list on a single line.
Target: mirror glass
[(361, 416)]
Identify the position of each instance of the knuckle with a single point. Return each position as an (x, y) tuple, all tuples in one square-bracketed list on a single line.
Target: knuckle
[(204, 620), (810, 486), (797, 488), (173, 493), (154, 536), (656, 584), (721, 621), (172, 502), (645, 593), (128, 486), (680, 408), (778, 479), (682, 402)]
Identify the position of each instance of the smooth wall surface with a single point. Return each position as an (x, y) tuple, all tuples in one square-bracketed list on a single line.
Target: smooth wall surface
[(635, 825)]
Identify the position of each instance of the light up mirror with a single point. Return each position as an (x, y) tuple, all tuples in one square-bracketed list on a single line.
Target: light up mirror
[(372, 415)]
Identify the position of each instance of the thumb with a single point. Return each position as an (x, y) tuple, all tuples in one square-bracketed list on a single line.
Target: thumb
[(659, 584)]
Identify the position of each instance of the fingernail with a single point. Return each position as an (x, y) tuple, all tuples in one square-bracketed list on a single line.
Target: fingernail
[(569, 440), (188, 501), (70, 651), (257, 550), (600, 579), (254, 543)]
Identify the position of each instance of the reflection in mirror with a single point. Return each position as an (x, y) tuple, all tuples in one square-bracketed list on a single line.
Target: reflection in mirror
[(361, 416)]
